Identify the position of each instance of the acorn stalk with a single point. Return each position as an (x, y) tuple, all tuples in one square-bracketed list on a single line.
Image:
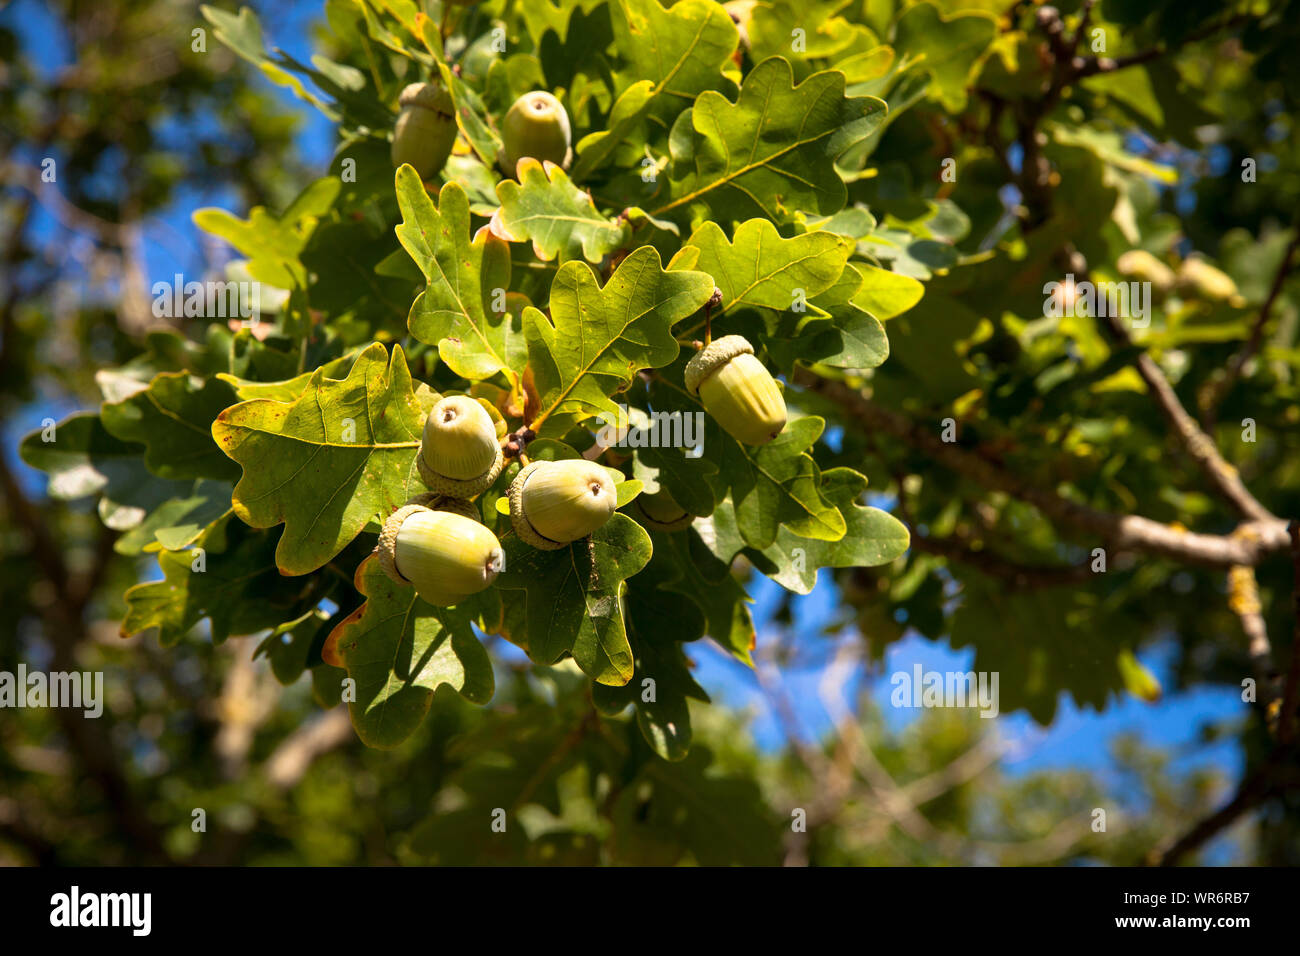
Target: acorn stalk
[(537, 126), (443, 551), (737, 390), (425, 130), (459, 451), (553, 503)]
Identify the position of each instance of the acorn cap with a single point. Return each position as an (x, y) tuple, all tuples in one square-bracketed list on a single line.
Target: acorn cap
[(459, 451), (712, 357), (430, 96)]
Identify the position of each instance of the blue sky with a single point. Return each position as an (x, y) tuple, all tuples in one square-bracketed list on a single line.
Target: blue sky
[(1078, 738)]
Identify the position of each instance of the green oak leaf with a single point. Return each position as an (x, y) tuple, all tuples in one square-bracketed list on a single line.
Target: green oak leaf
[(178, 521), (471, 116), (289, 389), (574, 597), (274, 244), (760, 268), (340, 456), (662, 711), (556, 215), (848, 337), (886, 294), (83, 458), (686, 806), (949, 48), (399, 650), (874, 537), (723, 601), (465, 276), (1041, 641), (826, 36), (597, 339), (172, 418), (289, 645), (685, 477), (773, 150), (669, 56), (230, 577)]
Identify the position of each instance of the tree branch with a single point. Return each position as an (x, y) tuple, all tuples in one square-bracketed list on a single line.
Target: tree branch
[(1250, 544)]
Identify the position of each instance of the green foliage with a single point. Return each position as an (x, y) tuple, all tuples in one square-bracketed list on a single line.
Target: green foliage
[(807, 182)]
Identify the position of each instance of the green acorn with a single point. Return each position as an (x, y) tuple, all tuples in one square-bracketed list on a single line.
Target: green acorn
[(737, 390), (553, 503), (459, 452), (1198, 278), (425, 129), (438, 545), (661, 512), (535, 126), (1144, 267)]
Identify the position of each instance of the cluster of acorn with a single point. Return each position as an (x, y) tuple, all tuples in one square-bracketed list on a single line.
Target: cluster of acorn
[(437, 542)]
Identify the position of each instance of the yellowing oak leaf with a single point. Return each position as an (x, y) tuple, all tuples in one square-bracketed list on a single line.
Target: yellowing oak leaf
[(340, 456)]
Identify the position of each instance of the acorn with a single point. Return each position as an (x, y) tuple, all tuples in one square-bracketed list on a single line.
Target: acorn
[(537, 126), (459, 452), (661, 512), (553, 503), (438, 545), (1144, 267), (1199, 278), (737, 390), (425, 129)]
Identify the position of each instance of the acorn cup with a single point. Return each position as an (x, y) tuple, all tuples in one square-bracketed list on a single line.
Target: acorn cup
[(537, 126), (553, 503), (661, 512), (737, 390), (425, 130), (438, 545), (459, 451)]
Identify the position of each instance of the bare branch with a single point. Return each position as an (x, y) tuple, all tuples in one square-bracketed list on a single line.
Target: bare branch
[(291, 760), (1222, 476)]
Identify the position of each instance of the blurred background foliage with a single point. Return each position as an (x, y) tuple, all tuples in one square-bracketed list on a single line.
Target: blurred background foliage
[(1145, 157)]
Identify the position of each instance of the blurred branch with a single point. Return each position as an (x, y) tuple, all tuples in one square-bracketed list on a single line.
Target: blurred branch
[(65, 627), (1083, 67), (1253, 542), (290, 761), (1263, 782), (1225, 479), (1243, 600)]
